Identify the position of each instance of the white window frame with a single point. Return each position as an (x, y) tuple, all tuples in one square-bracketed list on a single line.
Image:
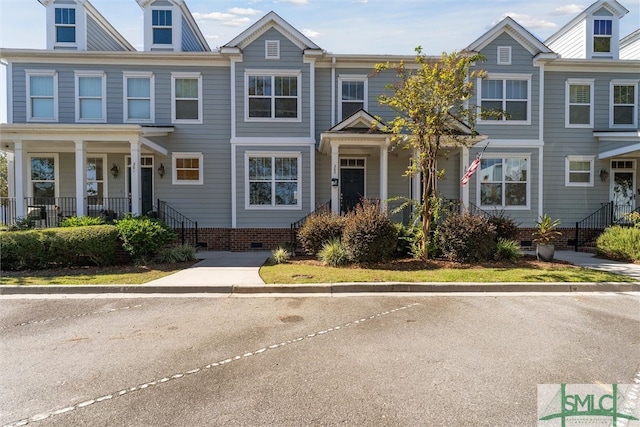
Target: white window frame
[(273, 155), (567, 171), (153, 27), (593, 36), (567, 115), (633, 83), (125, 108), (42, 73), (273, 74), (93, 74), (352, 78), (528, 182), (187, 155), (55, 26), (192, 76), (268, 44), (501, 49), (105, 177), (505, 77), (56, 173)]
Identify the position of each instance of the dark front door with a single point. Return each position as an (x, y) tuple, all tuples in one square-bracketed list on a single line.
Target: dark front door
[(351, 188), (146, 174)]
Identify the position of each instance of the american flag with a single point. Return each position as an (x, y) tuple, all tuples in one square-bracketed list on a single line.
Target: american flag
[(471, 170)]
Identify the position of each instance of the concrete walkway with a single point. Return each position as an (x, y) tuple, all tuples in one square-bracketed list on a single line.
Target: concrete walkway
[(588, 260)]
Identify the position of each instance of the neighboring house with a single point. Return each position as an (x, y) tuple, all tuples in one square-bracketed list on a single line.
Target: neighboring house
[(248, 139)]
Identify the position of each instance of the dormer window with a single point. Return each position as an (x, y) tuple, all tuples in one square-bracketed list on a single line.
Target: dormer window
[(162, 27), (65, 21), (602, 33)]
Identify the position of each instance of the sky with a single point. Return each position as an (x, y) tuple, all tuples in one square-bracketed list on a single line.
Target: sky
[(337, 26)]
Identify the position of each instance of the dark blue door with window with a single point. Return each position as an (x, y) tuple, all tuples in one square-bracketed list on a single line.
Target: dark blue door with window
[(351, 188)]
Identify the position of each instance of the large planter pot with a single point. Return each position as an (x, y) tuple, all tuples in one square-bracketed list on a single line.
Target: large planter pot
[(545, 252)]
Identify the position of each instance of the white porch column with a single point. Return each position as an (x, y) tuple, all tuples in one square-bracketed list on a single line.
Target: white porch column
[(136, 182), (384, 174), (81, 188), (464, 163), (11, 170), (335, 177), (19, 171)]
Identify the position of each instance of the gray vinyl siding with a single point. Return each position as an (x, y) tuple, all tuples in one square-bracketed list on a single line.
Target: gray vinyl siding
[(323, 101), (99, 39), (449, 186), (521, 63), (190, 42), (271, 217), (290, 60)]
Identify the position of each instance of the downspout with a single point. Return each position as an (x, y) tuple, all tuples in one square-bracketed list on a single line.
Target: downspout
[(234, 196), (333, 91), (541, 147)]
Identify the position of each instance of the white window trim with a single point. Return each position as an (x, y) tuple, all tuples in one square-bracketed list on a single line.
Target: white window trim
[(499, 48), (272, 74), (103, 76), (266, 49), (567, 163), (572, 82), (633, 83), (352, 78), (174, 15), (125, 107), (174, 77), (186, 155), (529, 181), (67, 45), (272, 154), (500, 76), (45, 73), (105, 173), (593, 36), (56, 172)]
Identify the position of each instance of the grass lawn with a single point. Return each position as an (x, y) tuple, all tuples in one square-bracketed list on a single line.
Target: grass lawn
[(410, 270)]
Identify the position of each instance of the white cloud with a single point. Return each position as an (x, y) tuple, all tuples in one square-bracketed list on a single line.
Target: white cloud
[(528, 21), (293, 1), (244, 11), (228, 19), (311, 33), (212, 37), (570, 9)]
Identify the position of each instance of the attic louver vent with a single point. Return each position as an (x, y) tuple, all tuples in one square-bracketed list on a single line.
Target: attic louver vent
[(272, 49), (504, 55)]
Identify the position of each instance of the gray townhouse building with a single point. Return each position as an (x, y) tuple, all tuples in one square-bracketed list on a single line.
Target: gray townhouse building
[(247, 139)]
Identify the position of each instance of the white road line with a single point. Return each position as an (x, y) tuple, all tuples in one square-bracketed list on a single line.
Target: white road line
[(71, 316)]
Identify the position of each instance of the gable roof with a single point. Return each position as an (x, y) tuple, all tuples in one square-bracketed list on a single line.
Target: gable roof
[(509, 26), (612, 6), (359, 122), (188, 17), (272, 20)]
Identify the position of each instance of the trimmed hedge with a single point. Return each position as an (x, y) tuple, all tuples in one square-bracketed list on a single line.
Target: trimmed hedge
[(369, 234), (143, 237), (467, 238), (58, 247), (319, 229)]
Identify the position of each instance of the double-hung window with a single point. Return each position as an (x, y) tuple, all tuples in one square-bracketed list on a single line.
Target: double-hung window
[(579, 171), (42, 96), (273, 180), (353, 95), (624, 103), (506, 98), (65, 25), (272, 96), (602, 33), (138, 99), (96, 179), (91, 102), (187, 168), (43, 182), (579, 103), (186, 94), (162, 27), (504, 182)]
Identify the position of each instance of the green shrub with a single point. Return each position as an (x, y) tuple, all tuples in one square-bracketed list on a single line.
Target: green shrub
[(334, 253), (23, 223), (280, 255), (369, 234), (176, 254), (633, 217), (506, 228), (621, 243), (318, 229), (142, 237), (507, 250), (81, 221), (58, 247), (467, 238)]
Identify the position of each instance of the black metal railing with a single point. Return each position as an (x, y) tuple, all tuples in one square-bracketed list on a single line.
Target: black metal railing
[(109, 208), (46, 212), (592, 226), (7, 211), (295, 226), (186, 228)]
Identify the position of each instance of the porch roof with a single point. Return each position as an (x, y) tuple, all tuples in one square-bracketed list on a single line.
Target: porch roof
[(54, 136), (618, 143)]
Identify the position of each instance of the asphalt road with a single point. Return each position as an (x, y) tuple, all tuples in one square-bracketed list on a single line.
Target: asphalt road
[(360, 361)]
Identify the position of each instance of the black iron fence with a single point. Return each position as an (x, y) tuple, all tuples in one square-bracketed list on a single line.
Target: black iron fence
[(186, 228)]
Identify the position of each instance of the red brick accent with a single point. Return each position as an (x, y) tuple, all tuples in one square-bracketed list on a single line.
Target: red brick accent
[(562, 243), (243, 239)]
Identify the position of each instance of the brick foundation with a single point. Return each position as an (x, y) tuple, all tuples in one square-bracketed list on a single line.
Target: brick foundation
[(243, 239), (525, 236)]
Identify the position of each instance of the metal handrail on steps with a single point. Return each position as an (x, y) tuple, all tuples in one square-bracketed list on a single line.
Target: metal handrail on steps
[(178, 221)]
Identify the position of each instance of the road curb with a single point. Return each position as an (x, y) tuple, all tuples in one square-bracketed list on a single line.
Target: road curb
[(325, 288)]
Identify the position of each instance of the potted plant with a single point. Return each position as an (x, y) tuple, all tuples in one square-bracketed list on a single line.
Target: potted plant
[(544, 237)]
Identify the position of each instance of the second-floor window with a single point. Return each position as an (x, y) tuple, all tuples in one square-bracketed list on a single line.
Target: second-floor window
[(42, 91), (507, 99), (65, 21), (139, 100), (162, 26), (186, 91), (624, 104), (274, 96), (579, 103), (353, 95), (602, 31), (90, 96)]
